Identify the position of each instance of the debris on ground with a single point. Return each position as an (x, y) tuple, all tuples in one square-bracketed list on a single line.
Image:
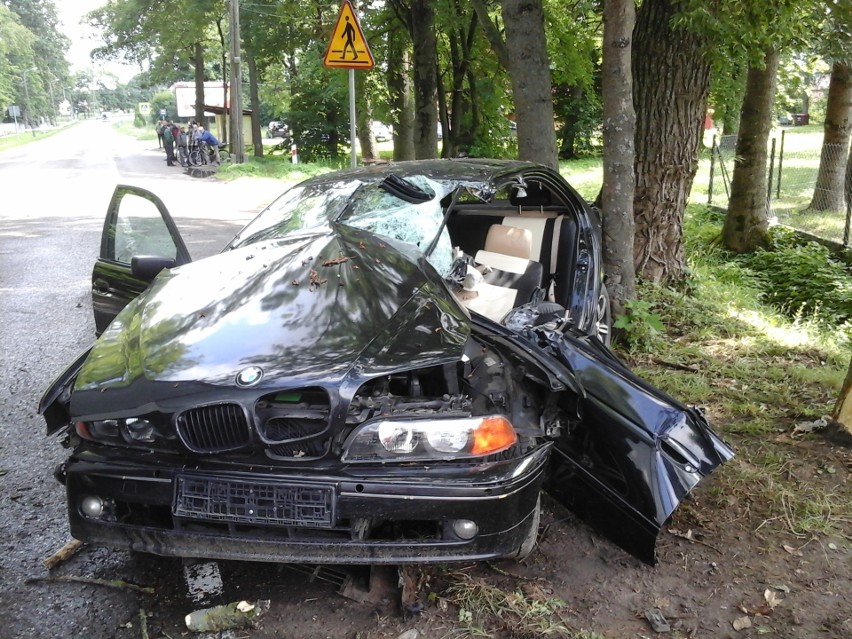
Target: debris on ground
[(237, 614), (741, 623), (657, 621), (809, 427), (143, 623), (203, 580), (63, 554), (109, 583)]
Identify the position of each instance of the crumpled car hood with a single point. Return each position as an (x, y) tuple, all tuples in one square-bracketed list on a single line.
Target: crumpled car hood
[(304, 308)]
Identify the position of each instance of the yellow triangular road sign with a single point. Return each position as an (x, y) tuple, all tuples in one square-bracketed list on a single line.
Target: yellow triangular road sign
[(348, 48)]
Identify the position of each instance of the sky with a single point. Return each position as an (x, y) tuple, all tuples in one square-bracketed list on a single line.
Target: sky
[(84, 38)]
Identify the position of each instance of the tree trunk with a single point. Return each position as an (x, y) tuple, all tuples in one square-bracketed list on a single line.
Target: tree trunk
[(619, 125), (529, 71), (569, 101), (402, 107), (198, 59), (828, 193), (425, 79), (256, 135), (746, 222), (492, 33), (671, 79), (223, 134), (363, 117)]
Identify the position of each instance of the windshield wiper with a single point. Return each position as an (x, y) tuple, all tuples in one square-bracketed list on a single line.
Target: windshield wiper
[(405, 190), (452, 205)]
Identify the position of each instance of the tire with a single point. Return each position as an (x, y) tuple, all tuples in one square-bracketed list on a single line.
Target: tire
[(195, 158), (224, 157), (603, 317), (528, 544)]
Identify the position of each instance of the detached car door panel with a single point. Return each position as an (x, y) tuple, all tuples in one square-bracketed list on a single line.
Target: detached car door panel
[(139, 239)]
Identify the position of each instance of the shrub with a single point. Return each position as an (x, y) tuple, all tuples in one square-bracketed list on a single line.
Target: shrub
[(803, 279)]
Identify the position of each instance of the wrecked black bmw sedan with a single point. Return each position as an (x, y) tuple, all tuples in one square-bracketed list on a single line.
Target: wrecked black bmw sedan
[(387, 365)]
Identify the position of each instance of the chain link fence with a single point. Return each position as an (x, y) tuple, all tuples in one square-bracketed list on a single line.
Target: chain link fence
[(797, 195)]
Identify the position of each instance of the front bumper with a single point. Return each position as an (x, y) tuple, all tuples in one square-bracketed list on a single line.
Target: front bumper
[(382, 516)]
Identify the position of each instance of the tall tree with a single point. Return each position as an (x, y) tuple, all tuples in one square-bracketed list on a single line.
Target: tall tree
[(747, 222), (619, 124), (829, 190), (529, 70), (524, 55), (401, 100), (835, 44), (761, 32), (671, 79), (16, 53)]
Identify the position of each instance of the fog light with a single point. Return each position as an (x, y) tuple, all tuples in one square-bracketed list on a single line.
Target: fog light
[(92, 506), (465, 528)]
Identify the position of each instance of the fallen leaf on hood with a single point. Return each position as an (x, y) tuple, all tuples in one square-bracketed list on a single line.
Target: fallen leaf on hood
[(336, 260)]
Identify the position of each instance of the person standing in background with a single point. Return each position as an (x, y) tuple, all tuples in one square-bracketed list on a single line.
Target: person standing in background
[(159, 129), (210, 140), (169, 144), (183, 147)]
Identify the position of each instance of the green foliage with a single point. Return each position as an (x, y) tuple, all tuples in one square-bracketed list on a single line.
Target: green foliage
[(32, 58), (722, 341), (800, 278), (138, 118), (803, 280), (318, 114), (639, 326), (163, 100)]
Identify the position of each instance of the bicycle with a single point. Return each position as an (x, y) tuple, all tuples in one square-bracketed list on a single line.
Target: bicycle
[(201, 154)]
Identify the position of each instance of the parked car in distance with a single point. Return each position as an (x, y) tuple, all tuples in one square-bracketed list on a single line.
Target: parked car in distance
[(381, 132), (387, 365), (277, 129)]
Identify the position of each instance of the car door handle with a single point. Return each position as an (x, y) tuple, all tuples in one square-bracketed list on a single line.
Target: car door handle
[(101, 287)]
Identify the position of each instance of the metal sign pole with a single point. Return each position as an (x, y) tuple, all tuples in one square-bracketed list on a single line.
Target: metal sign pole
[(348, 49), (352, 138)]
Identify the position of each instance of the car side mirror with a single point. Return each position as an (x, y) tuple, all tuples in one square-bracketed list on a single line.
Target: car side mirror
[(147, 267)]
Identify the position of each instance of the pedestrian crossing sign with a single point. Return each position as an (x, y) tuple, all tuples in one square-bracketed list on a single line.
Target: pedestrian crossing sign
[(348, 48)]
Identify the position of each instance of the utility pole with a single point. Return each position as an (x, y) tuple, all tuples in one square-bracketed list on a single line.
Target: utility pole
[(237, 147)]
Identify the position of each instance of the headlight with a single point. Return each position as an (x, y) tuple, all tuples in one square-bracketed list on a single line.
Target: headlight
[(137, 430), (132, 430), (429, 439)]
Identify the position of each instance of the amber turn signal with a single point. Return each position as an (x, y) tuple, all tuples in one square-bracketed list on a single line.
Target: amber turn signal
[(492, 435)]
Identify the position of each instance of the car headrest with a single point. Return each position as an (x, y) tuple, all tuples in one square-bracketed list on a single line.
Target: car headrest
[(509, 240)]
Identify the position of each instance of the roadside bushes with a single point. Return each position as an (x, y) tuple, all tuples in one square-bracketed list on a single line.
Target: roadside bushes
[(803, 279)]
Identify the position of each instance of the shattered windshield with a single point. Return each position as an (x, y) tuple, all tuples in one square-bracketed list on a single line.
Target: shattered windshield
[(382, 211), (406, 210), (302, 207)]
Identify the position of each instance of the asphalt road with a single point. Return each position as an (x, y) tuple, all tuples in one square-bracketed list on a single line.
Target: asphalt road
[(53, 198)]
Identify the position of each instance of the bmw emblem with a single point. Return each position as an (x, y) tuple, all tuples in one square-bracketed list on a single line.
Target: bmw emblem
[(249, 376)]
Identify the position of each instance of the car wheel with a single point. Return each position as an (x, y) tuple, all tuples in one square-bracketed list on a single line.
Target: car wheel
[(528, 544), (603, 317)]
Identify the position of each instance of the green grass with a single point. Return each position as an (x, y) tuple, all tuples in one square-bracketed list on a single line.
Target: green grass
[(127, 127), (758, 373), (278, 168), (25, 137), (584, 174)]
